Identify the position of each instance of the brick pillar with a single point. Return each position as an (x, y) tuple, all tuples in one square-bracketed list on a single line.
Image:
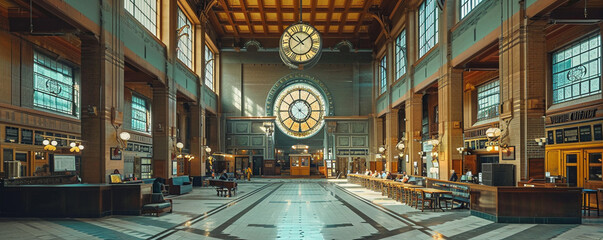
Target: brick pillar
[(450, 102), (102, 96), (522, 87), (414, 112), (164, 129), (391, 137)]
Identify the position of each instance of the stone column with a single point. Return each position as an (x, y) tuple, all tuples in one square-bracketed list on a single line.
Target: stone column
[(164, 129), (414, 108), (522, 86), (196, 138), (391, 137), (450, 102), (102, 95)]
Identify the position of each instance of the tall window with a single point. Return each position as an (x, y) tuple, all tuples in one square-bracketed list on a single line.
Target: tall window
[(209, 68), (401, 54), (145, 11), (428, 26), (467, 6), (140, 114), (577, 70), (383, 74), (54, 86), (488, 99), (185, 40)]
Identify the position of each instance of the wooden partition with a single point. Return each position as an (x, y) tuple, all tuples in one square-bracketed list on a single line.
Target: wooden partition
[(527, 204), (72, 200)]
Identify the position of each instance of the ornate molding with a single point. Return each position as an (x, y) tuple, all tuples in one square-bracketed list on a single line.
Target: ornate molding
[(294, 78)]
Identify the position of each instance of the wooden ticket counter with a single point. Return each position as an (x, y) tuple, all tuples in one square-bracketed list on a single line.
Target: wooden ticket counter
[(503, 204), (72, 200), (300, 164)]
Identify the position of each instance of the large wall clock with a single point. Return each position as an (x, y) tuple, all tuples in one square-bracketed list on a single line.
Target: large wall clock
[(300, 46), (299, 110)]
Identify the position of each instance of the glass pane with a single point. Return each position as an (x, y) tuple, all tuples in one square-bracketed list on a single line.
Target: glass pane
[(594, 158), (594, 173), (572, 175), (576, 69), (571, 158)]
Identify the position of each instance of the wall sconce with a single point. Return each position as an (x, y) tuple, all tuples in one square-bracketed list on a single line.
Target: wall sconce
[(268, 128), (50, 145), (400, 146), (381, 149), (379, 156), (207, 149), (540, 141), (462, 150), (179, 146), (122, 140), (493, 135)]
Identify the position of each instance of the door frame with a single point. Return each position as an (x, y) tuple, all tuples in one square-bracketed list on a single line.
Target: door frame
[(586, 162), (579, 165)]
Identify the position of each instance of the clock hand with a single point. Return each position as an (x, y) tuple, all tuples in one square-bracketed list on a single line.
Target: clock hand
[(300, 41)]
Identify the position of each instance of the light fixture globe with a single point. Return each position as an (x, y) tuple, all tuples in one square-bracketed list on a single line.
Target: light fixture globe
[(81, 147), (180, 145), (400, 146), (493, 132), (207, 149), (72, 144), (46, 142), (381, 149), (124, 136), (54, 143)]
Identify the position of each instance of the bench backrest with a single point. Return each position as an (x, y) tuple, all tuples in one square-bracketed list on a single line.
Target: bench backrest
[(222, 183), (180, 180)]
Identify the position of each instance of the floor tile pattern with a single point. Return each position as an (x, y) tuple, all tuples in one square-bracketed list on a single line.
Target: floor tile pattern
[(293, 209)]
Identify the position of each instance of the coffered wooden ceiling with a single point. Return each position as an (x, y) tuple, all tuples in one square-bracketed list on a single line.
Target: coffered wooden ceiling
[(237, 21)]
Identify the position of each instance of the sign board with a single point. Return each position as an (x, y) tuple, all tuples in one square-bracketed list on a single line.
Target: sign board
[(63, 163)]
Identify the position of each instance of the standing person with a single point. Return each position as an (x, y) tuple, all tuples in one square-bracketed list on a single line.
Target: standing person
[(248, 172)]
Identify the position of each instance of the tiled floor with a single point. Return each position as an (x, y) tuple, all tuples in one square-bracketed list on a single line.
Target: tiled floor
[(292, 209)]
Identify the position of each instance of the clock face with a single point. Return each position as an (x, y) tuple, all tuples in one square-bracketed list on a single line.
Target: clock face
[(300, 43), (299, 110)]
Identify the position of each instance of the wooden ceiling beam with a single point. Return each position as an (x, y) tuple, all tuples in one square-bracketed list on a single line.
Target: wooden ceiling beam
[(365, 8), (313, 12), (325, 36), (229, 15), (246, 14), (279, 15), (293, 10), (263, 16), (316, 23), (344, 15), (296, 10), (330, 15), (214, 20)]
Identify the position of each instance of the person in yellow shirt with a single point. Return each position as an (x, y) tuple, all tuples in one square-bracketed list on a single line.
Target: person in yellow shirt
[(248, 172)]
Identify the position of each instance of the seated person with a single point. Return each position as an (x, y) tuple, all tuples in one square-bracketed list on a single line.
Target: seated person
[(223, 176), (453, 177), (389, 176), (384, 174)]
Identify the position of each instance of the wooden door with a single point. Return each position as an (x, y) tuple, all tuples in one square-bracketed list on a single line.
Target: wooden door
[(373, 166), (470, 164), (342, 166), (573, 168)]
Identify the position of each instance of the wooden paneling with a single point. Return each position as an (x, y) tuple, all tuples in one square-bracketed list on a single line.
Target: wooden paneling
[(5, 67), (470, 164), (552, 162), (536, 168)]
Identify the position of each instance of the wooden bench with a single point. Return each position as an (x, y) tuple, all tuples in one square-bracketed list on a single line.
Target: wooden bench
[(223, 186)]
